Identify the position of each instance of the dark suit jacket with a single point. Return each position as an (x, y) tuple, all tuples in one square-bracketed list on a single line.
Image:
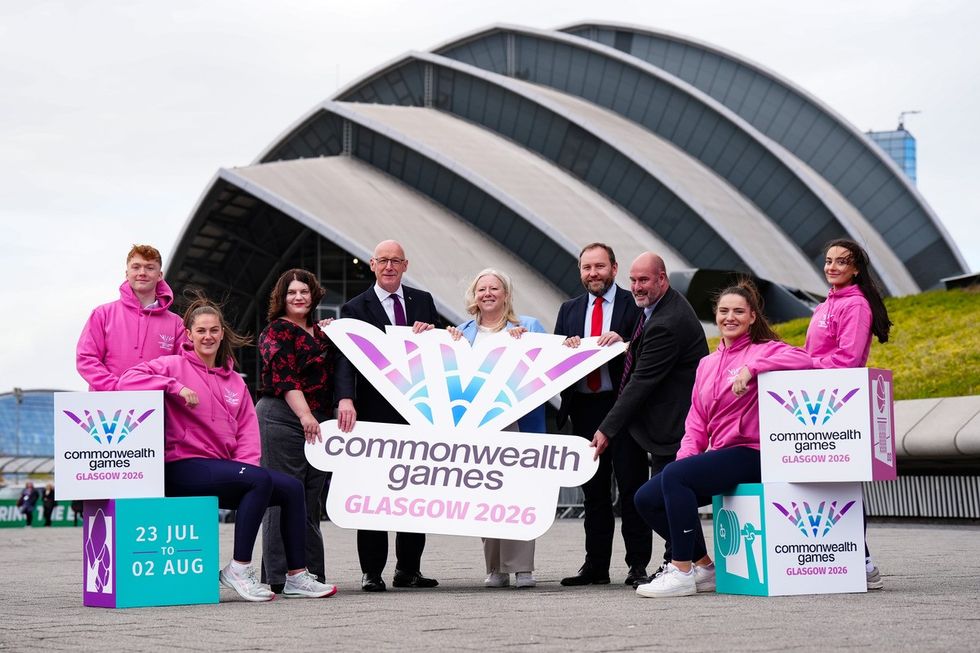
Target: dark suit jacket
[(571, 322), (657, 396), (368, 402)]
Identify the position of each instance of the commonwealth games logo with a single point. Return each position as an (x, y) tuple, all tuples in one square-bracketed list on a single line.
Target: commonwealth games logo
[(108, 428), (803, 408), (810, 521)]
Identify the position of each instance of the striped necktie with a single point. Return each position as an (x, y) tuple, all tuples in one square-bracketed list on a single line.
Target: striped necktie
[(628, 363)]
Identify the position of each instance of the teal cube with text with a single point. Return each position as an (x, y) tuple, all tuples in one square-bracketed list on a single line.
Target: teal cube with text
[(145, 552)]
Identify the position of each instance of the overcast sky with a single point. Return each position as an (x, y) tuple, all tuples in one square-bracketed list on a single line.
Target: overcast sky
[(115, 115)]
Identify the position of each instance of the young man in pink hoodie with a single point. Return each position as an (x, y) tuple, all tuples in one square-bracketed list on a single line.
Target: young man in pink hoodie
[(135, 328)]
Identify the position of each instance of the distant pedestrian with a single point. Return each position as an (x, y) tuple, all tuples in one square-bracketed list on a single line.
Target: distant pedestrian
[(47, 501), (77, 507), (28, 502)]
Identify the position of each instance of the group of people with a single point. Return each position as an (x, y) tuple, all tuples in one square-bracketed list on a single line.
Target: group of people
[(27, 502), (666, 407)]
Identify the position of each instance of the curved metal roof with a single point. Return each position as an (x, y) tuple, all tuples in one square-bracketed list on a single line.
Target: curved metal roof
[(355, 206), (764, 172), (543, 194), (710, 198), (788, 114), (515, 154)]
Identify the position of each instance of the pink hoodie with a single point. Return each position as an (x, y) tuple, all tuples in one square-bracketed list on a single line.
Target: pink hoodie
[(223, 426), (122, 333), (839, 334), (719, 418)]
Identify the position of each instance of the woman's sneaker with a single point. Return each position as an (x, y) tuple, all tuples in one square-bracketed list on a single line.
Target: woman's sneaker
[(304, 585), (874, 579), (246, 584), (673, 582), (497, 579), (524, 579), (704, 577)]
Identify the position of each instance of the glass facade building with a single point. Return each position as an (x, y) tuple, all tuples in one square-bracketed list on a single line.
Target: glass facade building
[(900, 146), (27, 423)]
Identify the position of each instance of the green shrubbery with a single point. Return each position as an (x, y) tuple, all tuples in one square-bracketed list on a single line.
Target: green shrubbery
[(934, 347)]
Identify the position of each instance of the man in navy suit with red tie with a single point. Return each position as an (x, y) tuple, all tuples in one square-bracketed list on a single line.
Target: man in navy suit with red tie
[(386, 302), (608, 311)]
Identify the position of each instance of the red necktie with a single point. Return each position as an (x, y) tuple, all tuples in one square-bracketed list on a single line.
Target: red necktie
[(594, 379)]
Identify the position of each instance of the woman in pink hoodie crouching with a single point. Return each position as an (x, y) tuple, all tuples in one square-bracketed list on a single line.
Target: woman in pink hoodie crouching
[(211, 448), (720, 448)]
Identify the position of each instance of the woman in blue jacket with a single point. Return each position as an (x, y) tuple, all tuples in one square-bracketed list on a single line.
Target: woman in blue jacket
[(489, 299)]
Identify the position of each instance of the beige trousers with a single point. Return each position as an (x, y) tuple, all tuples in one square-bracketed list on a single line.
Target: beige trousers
[(508, 556)]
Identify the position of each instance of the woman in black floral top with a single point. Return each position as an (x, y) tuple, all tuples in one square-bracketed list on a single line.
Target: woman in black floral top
[(297, 394)]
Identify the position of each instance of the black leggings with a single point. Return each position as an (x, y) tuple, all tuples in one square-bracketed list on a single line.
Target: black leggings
[(669, 501), (249, 490)]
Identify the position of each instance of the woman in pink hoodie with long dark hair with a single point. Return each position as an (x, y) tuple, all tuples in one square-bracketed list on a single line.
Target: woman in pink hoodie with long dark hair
[(720, 447), (211, 448), (840, 331)]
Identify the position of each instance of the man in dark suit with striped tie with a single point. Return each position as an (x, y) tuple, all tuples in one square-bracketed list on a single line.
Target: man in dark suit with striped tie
[(605, 309), (654, 394), (386, 302)]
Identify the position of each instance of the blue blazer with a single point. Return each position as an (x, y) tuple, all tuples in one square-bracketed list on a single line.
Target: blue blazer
[(534, 421)]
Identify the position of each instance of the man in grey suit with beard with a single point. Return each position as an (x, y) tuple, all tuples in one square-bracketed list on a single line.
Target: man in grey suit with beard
[(654, 395)]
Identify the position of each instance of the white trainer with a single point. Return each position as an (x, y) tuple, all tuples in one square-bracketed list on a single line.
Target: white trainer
[(246, 584), (673, 582), (524, 579), (704, 578), (874, 579), (305, 585), (497, 579)]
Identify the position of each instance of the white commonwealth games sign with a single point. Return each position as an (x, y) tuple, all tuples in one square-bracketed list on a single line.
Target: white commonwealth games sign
[(453, 469), (108, 445)]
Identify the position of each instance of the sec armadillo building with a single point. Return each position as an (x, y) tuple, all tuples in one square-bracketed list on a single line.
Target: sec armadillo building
[(513, 147)]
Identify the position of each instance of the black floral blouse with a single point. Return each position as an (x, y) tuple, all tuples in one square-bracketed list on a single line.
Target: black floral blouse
[(292, 359)]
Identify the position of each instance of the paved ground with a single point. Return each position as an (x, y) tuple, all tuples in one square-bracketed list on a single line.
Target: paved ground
[(930, 603)]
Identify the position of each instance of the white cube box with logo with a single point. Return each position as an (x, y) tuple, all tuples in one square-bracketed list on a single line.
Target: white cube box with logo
[(108, 445), (777, 539), (820, 426)]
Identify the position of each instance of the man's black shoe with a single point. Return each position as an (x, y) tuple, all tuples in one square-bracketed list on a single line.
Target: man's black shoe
[(373, 583), (413, 579), (637, 576), (586, 576)]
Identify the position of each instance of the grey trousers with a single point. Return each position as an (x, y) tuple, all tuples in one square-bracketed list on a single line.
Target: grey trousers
[(283, 449)]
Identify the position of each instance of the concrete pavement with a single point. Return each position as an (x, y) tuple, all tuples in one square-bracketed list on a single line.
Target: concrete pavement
[(930, 603)]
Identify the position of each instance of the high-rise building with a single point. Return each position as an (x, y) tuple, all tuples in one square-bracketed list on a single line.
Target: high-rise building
[(900, 146)]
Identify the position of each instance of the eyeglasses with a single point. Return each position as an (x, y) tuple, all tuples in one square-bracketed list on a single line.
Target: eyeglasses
[(385, 262)]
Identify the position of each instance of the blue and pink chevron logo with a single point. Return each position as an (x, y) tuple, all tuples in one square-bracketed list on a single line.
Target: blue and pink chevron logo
[(433, 381), (109, 428), (810, 521), (803, 408)]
